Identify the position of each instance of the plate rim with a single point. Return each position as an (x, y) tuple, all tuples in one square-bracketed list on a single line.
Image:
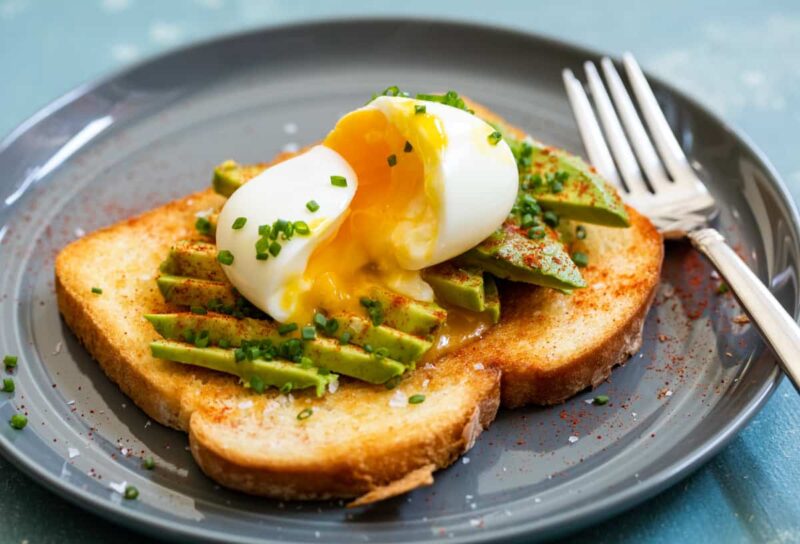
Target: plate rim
[(586, 515)]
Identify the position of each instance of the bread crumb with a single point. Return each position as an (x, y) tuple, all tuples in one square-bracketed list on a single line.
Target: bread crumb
[(741, 319)]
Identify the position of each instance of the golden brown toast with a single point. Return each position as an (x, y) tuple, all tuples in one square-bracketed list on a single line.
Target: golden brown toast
[(357, 443), (362, 441)]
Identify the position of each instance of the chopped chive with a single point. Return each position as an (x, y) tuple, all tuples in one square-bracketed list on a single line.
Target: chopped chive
[(528, 220), (344, 339), (332, 326), (274, 249), (322, 371), (225, 257), (408, 148), (188, 335), (495, 137), (131, 493), (262, 256), (368, 348), (536, 233), (10, 361), (257, 384), (306, 362), (392, 382), (580, 259), (199, 310), (416, 399), (238, 223), (18, 421), (302, 228), (262, 245), (312, 205), (381, 353), (308, 333), (374, 310), (286, 388), (550, 218), (224, 343), (320, 320), (557, 186), (286, 328), (419, 109), (338, 181), (600, 400), (580, 232), (263, 230), (8, 385), (203, 225), (288, 231), (239, 355), (723, 288), (149, 463), (202, 340), (392, 160), (305, 414), (97, 291)]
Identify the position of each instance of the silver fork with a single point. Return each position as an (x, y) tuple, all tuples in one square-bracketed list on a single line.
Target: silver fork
[(669, 193)]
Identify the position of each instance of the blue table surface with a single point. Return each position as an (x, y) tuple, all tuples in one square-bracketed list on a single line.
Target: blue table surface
[(740, 58)]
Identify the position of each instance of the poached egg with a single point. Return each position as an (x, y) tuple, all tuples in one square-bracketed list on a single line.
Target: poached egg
[(398, 185)]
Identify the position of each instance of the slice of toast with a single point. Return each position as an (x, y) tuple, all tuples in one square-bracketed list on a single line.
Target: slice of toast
[(363, 440)]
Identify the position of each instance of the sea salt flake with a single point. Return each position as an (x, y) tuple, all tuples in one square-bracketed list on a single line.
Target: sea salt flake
[(475, 522), (479, 366), (124, 451), (73, 453), (668, 393), (317, 534), (465, 460), (290, 128), (588, 401), (333, 386), (71, 402), (58, 347), (428, 366), (79, 232), (537, 500), (573, 439), (204, 213), (119, 487), (290, 147), (147, 423), (183, 473), (468, 497), (245, 404), (425, 383), (398, 400)]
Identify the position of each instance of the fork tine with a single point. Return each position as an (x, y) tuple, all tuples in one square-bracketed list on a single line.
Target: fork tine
[(645, 151), (620, 149), (665, 140), (593, 140)]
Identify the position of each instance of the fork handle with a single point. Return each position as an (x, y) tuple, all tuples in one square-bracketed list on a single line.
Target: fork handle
[(777, 327)]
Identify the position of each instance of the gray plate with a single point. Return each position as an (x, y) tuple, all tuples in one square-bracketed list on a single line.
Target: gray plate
[(153, 133)]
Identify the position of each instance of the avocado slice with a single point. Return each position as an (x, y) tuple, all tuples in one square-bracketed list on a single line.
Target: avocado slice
[(492, 298), (274, 373), (565, 184), (460, 286), (196, 292), (194, 259), (511, 255), (230, 175), (349, 360), (401, 346), (353, 361), (411, 316)]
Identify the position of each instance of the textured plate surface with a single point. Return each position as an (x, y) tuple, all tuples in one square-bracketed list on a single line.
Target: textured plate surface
[(154, 132)]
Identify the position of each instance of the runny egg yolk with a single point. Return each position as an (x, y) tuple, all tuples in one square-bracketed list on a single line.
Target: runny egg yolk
[(393, 213)]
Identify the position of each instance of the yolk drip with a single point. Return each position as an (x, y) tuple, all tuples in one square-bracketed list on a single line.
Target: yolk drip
[(393, 215)]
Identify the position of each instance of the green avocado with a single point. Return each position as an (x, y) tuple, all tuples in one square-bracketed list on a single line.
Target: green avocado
[(400, 312), (274, 373), (349, 360), (563, 183), (194, 259), (511, 255), (492, 298), (460, 286), (230, 175), (400, 346), (196, 292)]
